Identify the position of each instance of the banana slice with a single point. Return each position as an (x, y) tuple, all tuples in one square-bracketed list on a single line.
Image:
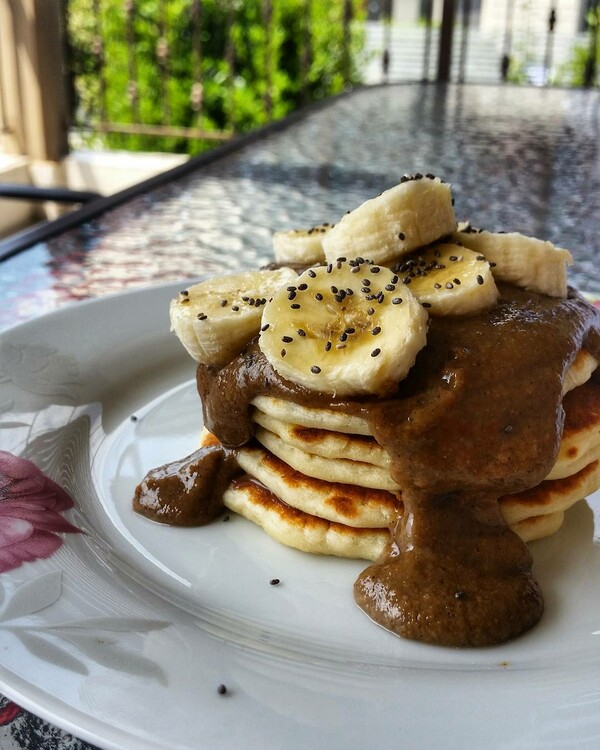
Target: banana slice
[(301, 245), (349, 328), (215, 319), (449, 279), (412, 214), (520, 260)]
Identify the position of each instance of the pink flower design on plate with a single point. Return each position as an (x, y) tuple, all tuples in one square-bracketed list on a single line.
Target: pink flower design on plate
[(30, 513), (8, 712)]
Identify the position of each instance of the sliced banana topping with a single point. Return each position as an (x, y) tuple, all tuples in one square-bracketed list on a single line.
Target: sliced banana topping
[(520, 260), (301, 245), (348, 328), (412, 214), (354, 327), (449, 279), (215, 319)]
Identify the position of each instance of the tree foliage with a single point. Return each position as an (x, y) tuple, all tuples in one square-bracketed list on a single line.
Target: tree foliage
[(214, 65), (580, 69)]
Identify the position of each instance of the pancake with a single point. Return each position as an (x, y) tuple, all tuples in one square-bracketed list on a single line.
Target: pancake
[(551, 496), (325, 443), (290, 412), (580, 371), (365, 507), (317, 481), (316, 418), (360, 507), (358, 459), (298, 529), (338, 470), (580, 443), (309, 533), (329, 492), (320, 517), (539, 527)]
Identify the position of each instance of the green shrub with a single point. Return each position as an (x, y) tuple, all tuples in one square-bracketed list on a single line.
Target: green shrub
[(258, 61), (573, 72)]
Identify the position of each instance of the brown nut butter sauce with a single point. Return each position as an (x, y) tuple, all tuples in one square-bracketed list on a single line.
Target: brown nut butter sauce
[(187, 492), (479, 416)]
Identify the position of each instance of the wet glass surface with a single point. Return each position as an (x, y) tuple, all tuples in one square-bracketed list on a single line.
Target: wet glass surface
[(519, 159)]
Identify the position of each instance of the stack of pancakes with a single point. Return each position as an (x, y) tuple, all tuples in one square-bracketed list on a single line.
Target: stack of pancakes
[(316, 479)]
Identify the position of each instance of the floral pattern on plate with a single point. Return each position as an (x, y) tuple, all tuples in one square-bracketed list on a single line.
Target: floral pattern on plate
[(30, 513)]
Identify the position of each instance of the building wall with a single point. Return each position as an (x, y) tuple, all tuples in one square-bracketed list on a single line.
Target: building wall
[(530, 16), (406, 11)]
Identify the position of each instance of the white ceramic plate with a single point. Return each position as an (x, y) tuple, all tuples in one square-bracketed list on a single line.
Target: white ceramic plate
[(125, 633)]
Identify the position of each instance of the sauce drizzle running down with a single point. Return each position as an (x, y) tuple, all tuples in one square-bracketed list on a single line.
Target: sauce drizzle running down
[(479, 416)]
